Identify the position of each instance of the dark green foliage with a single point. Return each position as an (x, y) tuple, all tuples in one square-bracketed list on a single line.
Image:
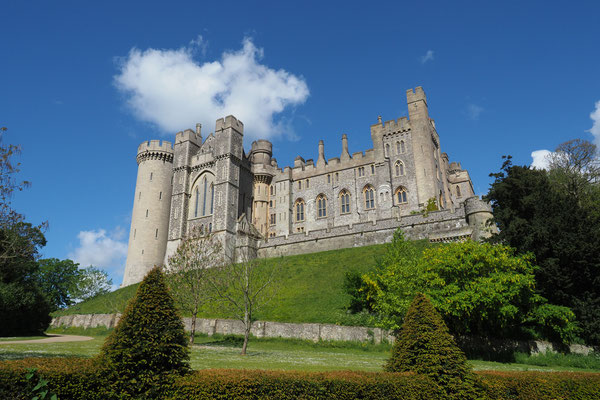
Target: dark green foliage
[(149, 342), (58, 280), (535, 214), (74, 378), (425, 346)]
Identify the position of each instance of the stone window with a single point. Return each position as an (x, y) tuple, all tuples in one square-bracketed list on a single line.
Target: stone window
[(398, 148), (387, 150), (209, 227), (399, 168), (160, 196), (272, 190), (402, 147), (272, 221), (337, 177), (458, 191), (139, 195), (204, 195), (150, 176), (299, 184), (372, 169), (299, 207), (361, 171), (156, 234), (321, 206), (369, 194), (344, 202), (328, 178), (307, 184), (146, 213), (401, 196)]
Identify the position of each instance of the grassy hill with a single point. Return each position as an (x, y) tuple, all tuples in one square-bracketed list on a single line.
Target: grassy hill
[(311, 288)]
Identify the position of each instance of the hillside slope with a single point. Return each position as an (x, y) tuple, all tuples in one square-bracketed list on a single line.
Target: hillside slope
[(311, 288)]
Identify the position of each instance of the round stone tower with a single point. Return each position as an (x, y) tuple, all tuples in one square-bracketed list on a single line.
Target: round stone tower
[(151, 207), (260, 156), (478, 213)]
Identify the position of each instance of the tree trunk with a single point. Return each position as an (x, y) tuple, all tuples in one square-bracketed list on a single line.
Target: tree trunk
[(247, 327), (193, 330)]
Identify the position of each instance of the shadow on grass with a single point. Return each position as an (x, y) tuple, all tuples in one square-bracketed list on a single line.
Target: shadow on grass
[(19, 355)]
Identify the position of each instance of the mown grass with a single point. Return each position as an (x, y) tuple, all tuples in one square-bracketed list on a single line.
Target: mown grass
[(9, 338), (276, 353), (591, 361), (310, 288)]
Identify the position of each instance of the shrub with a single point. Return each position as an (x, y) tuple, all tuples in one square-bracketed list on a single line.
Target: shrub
[(425, 346), (149, 343)]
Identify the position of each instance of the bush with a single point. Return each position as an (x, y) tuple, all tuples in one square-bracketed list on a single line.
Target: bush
[(425, 346), (72, 378), (149, 343)]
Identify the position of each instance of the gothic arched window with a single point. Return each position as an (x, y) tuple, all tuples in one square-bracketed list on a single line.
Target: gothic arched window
[(398, 150), (344, 202), (401, 196), (387, 150), (299, 208), (369, 194), (457, 191), (402, 147), (203, 196), (321, 206), (399, 167)]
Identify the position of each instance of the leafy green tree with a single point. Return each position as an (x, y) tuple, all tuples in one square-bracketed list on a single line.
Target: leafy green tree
[(424, 346), (58, 280), (91, 282), (23, 307), (479, 288), (149, 344), (560, 225)]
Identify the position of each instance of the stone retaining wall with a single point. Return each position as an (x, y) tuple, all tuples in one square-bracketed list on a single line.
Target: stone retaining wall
[(327, 332)]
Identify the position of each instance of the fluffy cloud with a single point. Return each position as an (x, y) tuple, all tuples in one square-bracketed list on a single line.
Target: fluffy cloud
[(97, 248), (427, 57), (170, 89), (595, 116), (540, 159)]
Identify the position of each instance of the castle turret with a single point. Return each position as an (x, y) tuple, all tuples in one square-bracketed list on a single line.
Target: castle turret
[(479, 213), (260, 156), (151, 207)]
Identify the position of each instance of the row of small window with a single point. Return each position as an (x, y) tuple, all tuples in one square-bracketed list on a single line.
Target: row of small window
[(159, 195), (400, 148), (344, 203), (155, 234)]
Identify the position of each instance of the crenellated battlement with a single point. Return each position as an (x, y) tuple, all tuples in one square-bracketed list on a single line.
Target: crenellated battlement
[(415, 95), (188, 136), (155, 150), (230, 122)]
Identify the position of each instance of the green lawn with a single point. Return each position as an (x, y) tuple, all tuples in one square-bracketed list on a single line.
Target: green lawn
[(310, 288), (8, 339), (281, 354)]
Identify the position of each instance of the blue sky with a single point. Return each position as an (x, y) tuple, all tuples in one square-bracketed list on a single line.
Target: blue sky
[(82, 85)]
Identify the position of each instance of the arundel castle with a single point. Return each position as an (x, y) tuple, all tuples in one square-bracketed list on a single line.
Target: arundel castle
[(259, 209)]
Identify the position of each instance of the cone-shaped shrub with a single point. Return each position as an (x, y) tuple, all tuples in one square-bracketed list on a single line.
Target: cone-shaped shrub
[(149, 342), (424, 345)]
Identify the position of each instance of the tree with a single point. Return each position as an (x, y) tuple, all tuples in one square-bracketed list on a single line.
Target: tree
[(538, 215), (23, 307), (575, 166), (425, 346), (91, 282), (479, 288), (243, 288), (187, 269), (58, 280), (149, 343)]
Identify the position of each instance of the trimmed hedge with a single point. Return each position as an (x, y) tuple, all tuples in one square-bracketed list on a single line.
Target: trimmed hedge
[(73, 378)]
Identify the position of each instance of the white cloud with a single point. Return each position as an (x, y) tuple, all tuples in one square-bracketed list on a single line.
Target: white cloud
[(427, 57), (170, 89), (540, 159), (595, 130), (97, 248), (474, 111)]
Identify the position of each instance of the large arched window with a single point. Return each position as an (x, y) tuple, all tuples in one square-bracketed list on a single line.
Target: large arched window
[(203, 196), (321, 206), (344, 202), (399, 168), (299, 209), (401, 195), (369, 195)]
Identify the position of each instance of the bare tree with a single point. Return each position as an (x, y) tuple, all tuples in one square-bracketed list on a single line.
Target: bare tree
[(187, 272), (575, 166), (244, 288)]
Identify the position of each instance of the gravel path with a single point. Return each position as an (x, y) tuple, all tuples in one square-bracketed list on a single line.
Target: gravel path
[(52, 339)]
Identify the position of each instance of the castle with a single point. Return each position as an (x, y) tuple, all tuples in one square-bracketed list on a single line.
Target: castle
[(258, 209)]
